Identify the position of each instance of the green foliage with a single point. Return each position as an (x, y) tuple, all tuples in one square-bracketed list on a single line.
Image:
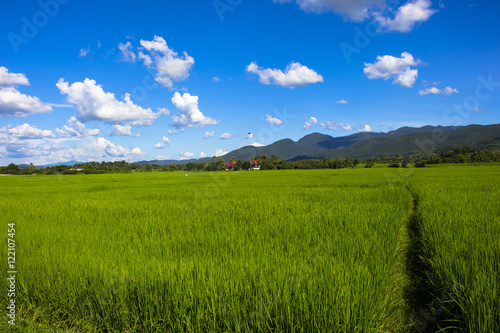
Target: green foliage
[(461, 228), (213, 252)]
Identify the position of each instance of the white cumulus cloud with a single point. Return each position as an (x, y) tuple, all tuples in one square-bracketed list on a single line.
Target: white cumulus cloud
[(220, 152), (190, 114), (161, 145), (256, 144), (169, 66), (356, 10), (12, 79), (26, 131), (74, 128), (331, 125), (107, 148), (295, 75), (365, 128), (127, 55), (12, 102), (125, 130), (404, 19), (407, 16), (93, 103), (398, 69), (208, 134), (435, 91), (273, 120), (185, 156), (226, 136), (310, 122), (342, 101)]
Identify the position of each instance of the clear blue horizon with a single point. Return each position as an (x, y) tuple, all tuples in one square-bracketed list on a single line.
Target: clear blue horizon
[(93, 81)]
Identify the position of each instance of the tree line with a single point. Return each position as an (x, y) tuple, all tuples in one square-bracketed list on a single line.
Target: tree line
[(457, 155)]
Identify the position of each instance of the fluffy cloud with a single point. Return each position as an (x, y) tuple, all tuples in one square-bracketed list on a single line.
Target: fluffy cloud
[(356, 10), (127, 54), (215, 79), (12, 102), (112, 150), (123, 131), (12, 79), (97, 149), (77, 129), (165, 111), (202, 155), (273, 120), (256, 144), (407, 16), (208, 135), (333, 125), (365, 128), (161, 145), (169, 66), (26, 131), (310, 122), (295, 75), (435, 91), (190, 114), (398, 69), (185, 156), (226, 136), (220, 152), (172, 132), (342, 101), (93, 103)]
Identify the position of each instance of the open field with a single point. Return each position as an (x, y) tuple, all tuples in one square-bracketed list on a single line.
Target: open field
[(460, 219), (281, 251)]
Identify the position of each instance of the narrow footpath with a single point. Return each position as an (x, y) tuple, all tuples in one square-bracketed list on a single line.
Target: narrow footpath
[(428, 309)]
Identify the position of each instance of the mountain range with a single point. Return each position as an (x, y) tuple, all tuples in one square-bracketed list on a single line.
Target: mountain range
[(403, 141)]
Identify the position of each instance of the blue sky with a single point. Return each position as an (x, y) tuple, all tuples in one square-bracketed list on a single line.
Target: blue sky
[(130, 80)]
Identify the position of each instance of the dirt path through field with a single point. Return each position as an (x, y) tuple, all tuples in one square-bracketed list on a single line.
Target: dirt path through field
[(428, 308)]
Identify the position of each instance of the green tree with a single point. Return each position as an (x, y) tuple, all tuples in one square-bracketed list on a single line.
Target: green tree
[(221, 164), (246, 165)]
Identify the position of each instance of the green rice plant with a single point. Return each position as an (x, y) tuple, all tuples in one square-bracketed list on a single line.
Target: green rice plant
[(273, 251), (460, 212)]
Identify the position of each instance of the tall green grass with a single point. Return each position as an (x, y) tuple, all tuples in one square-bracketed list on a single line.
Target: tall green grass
[(276, 251), (460, 211)]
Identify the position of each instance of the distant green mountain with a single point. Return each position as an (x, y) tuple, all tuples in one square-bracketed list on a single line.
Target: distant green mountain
[(473, 136), (405, 140), (285, 149)]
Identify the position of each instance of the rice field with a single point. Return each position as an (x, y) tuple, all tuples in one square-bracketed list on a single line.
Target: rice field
[(460, 212), (269, 251)]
